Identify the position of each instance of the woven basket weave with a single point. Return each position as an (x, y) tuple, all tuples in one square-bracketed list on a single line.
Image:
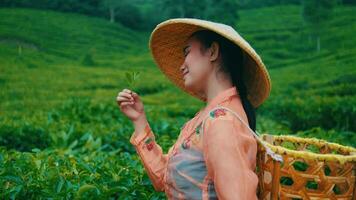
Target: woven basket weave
[(293, 168), (311, 169)]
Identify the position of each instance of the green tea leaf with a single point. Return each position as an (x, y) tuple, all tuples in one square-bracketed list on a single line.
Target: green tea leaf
[(85, 188)]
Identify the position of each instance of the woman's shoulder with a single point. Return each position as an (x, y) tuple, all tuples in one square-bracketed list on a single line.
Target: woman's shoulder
[(228, 110), (228, 122), (228, 113)]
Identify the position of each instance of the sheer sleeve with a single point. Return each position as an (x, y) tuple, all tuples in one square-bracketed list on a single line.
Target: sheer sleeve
[(151, 156), (230, 154)]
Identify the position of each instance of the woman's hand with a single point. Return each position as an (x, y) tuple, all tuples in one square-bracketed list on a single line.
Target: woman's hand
[(131, 105)]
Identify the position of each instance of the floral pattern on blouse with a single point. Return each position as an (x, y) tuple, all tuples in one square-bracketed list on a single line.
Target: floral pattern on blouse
[(218, 112), (216, 161)]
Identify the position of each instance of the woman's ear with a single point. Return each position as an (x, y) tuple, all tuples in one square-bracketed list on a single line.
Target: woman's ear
[(214, 51)]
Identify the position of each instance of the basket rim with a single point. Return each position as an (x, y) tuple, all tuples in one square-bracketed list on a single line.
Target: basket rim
[(311, 155)]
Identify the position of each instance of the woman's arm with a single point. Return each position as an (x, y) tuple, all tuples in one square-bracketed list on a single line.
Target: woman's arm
[(143, 138), (230, 154), (151, 155)]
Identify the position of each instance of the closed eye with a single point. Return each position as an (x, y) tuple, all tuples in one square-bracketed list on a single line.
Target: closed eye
[(185, 54), (185, 51)]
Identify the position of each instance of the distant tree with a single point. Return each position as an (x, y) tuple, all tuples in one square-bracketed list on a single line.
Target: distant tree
[(316, 14), (182, 8), (351, 2), (113, 6), (224, 11), (125, 12), (243, 3)]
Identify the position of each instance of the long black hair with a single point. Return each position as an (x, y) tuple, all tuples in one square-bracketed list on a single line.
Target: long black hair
[(232, 63)]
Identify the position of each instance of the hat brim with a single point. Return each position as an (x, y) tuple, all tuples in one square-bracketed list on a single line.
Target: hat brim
[(168, 39)]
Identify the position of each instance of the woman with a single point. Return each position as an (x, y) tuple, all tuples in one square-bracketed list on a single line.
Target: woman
[(214, 156)]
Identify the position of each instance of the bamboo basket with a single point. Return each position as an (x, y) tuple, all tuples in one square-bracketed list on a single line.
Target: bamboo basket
[(296, 168), (311, 169)]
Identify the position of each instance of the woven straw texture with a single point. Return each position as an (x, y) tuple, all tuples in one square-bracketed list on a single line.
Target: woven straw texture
[(169, 37), (312, 169)]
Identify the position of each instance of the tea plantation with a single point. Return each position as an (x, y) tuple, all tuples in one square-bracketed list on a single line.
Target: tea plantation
[(62, 135)]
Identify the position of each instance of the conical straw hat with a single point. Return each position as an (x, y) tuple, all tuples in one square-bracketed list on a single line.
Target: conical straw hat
[(168, 39)]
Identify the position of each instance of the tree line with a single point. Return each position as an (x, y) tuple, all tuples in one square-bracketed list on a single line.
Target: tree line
[(145, 14)]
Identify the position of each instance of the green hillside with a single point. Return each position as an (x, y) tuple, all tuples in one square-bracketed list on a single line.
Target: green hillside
[(62, 134), (71, 54)]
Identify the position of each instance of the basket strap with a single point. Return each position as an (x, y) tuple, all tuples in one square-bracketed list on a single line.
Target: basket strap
[(273, 155)]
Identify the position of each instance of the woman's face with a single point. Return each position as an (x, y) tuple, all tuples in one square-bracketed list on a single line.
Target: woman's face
[(196, 67)]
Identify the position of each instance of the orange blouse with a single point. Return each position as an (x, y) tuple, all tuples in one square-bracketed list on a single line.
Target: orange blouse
[(211, 160)]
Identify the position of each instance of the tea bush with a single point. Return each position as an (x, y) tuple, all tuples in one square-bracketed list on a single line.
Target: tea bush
[(80, 159), (63, 137), (73, 174), (304, 113)]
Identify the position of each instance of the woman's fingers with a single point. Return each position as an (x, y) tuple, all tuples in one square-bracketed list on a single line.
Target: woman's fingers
[(135, 95), (123, 98), (128, 91), (125, 94), (126, 97), (126, 103)]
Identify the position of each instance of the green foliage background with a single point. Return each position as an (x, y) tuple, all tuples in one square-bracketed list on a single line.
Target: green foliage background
[(62, 135)]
